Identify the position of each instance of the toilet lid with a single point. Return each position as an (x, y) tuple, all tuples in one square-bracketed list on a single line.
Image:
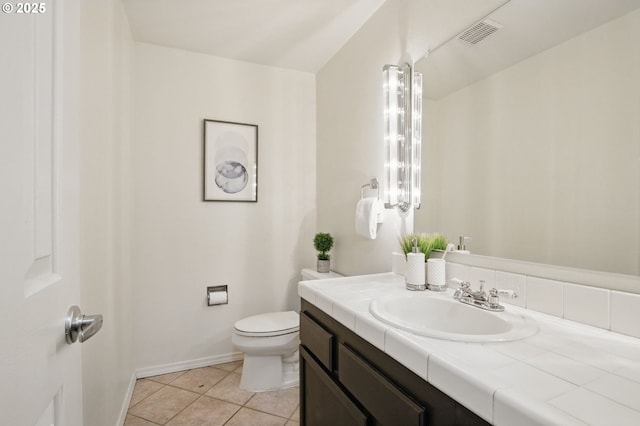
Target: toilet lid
[(269, 324)]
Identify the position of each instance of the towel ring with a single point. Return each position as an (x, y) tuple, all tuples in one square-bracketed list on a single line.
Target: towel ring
[(373, 184)]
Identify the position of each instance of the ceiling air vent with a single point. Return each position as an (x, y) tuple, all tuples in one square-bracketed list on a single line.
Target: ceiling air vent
[(478, 32)]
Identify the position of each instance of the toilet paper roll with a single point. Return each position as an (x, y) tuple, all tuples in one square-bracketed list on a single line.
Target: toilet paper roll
[(217, 298)]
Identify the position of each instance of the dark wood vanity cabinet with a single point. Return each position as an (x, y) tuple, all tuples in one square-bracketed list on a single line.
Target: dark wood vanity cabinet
[(344, 381)]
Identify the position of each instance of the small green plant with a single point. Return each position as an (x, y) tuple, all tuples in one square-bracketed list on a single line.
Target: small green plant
[(426, 243), (323, 242)]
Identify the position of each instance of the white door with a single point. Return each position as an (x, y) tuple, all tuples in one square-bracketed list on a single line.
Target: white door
[(40, 374)]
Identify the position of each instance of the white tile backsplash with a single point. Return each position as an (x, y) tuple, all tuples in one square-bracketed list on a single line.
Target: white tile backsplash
[(515, 282), (545, 296), (481, 274), (625, 313), (456, 270), (588, 305)]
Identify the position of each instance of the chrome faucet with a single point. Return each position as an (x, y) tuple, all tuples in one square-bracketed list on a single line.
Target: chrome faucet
[(480, 299)]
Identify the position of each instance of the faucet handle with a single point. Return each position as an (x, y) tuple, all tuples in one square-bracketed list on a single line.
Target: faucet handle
[(510, 294), (493, 300), (463, 290)]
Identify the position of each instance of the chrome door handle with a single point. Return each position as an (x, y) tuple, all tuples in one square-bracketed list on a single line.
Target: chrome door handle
[(82, 326)]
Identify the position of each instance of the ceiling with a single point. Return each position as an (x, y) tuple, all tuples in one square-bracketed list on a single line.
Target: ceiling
[(304, 34), (296, 34), (528, 27)]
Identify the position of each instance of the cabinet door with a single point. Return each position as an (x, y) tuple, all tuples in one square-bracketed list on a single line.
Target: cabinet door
[(379, 396), (323, 403)]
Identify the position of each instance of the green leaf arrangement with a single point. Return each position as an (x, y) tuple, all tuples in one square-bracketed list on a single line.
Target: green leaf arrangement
[(426, 243), (323, 242)]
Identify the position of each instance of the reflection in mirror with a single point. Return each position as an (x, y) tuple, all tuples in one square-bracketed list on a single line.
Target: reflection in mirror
[(532, 136)]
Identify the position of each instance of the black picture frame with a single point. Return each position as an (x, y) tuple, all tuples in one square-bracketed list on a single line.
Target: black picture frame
[(230, 161)]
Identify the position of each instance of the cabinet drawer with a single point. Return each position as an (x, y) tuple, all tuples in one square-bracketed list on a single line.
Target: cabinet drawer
[(323, 403), (388, 404), (318, 340)]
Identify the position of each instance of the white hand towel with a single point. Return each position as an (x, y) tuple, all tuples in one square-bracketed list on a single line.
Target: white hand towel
[(367, 217)]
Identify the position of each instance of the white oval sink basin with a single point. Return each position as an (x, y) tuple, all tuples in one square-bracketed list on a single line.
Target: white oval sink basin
[(443, 317)]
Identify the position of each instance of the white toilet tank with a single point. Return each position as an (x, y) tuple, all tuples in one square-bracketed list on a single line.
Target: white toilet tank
[(312, 274)]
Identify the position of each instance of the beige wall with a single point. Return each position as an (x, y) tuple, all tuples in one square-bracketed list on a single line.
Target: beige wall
[(541, 161), (104, 127), (350, 142), (150, 246), (181, 245)]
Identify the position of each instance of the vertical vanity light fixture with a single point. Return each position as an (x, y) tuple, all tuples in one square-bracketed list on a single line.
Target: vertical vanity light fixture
[(391, 74), (403, 135), (416, 136)]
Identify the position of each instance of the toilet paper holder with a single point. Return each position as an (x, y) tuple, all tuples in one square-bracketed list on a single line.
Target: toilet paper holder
[(217, 295)]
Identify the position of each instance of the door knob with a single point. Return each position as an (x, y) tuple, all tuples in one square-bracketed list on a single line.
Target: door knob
[(80, 326)]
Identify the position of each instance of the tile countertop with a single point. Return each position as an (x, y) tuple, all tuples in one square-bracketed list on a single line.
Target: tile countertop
[(566, 374)]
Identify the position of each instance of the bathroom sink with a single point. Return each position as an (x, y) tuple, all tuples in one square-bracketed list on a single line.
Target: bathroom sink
[(442, 317)]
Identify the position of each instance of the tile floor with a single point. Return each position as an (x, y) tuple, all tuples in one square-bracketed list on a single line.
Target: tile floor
[(209, 396)]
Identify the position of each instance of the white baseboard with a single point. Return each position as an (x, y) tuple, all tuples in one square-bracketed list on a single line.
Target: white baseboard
[(188, 365), (127, 401), (171, 368)]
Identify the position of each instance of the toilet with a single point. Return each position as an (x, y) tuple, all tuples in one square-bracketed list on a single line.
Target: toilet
[(270, 345)]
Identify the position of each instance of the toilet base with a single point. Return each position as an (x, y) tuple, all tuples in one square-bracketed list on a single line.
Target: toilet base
[(269, 372)]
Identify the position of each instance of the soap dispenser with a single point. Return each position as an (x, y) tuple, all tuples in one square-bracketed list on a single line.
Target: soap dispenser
[(461, 245), (415, 276)]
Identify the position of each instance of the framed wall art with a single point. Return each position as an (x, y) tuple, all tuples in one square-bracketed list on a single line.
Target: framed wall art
[(230, 161)]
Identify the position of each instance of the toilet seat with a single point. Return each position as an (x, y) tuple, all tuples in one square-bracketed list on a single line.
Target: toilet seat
[(269, 324)]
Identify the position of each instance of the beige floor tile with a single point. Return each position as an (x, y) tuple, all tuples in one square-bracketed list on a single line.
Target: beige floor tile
[(143, 389), (200, 380), (228, 389), (248, 417), (205, 411), (296, 414), (292, 423), (166, 378), (164, 404), (137, 421), (229, 366), (279, 402)]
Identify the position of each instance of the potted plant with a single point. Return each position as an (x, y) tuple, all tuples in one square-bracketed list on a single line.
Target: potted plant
[(426, 243), (323, 242)]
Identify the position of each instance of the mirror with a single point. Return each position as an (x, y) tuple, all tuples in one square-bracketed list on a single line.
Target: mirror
[(532, 136)]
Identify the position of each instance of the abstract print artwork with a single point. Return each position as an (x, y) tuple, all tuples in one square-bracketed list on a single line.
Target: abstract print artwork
[(230, 161)]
